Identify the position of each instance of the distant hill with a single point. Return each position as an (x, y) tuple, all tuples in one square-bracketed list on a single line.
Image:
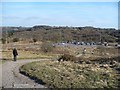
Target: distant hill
[(58, 34)]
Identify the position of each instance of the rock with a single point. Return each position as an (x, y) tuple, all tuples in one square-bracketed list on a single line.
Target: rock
[(80, 62), (105, 66)]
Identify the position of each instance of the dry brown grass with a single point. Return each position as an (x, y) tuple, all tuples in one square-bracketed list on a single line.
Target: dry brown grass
[(7, 55), (33, 50), (25, 51), (70, 75)]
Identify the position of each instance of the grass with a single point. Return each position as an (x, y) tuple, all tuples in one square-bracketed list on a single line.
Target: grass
[(7, 55), (2, 61), (25, 51), (70, 75), (98, 52), (33, 51)]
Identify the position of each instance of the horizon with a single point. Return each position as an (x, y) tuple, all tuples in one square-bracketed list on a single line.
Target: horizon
[(71, 14), (58, 26)]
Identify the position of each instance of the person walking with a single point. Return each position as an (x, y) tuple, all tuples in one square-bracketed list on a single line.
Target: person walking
[(15, 54), (84, 51)]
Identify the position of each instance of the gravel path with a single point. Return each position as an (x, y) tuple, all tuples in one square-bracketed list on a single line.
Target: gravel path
[(11, 78)]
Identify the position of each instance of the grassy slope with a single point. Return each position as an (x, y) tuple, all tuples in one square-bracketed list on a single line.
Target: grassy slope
[(69, 74)]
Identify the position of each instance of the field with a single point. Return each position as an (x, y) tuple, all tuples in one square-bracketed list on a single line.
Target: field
[(99, 68), (29, 40), (34, 51), (67, 74), (25, 51), (7, 55)]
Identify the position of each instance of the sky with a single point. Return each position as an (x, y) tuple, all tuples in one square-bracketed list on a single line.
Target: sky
[(96, 14), (59, 0)]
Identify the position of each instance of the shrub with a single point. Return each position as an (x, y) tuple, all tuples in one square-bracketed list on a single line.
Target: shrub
[(15, 39), (67, 57), (34, 40), (3, 40), (46, 47)]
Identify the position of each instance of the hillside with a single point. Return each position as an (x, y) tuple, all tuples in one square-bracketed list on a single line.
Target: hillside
[(64, 34)]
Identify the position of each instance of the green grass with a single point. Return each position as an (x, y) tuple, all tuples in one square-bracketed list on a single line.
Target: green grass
[(70, 75)]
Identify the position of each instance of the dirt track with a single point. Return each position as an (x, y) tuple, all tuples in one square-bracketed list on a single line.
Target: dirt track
[(11, 78)]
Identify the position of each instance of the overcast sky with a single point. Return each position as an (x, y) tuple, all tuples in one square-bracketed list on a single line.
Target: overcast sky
[(97, 14)]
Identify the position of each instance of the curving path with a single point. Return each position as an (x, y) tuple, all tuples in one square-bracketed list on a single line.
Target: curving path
[(11, 78)]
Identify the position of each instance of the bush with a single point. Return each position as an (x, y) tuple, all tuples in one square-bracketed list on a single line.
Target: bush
[(46, 47), (34, 40), (15, 39), (67, 57), (3, 40)]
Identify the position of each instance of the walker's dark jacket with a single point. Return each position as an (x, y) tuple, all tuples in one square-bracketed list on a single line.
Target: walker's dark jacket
[(15, 52)]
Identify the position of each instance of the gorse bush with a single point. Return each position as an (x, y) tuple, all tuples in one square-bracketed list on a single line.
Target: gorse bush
[(15, 39), (34, 40), (67, 57), (3, 40), (46, 47)]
